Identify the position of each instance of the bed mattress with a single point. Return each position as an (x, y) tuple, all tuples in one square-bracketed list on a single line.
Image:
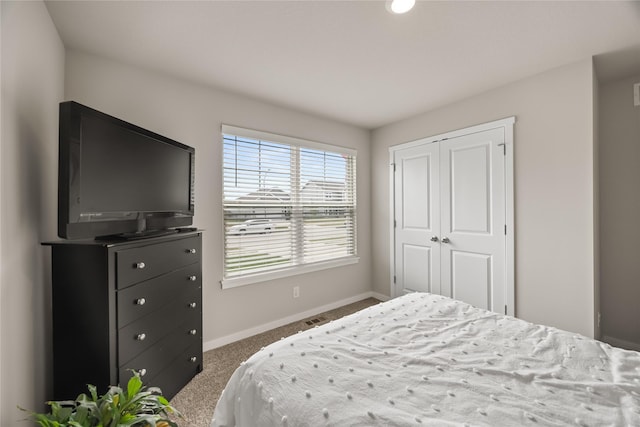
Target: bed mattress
[(424, 359)]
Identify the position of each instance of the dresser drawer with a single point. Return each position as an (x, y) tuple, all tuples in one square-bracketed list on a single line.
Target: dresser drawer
[(144, 262), (158, 356), (179, 372), (180, 288), (138, 336)]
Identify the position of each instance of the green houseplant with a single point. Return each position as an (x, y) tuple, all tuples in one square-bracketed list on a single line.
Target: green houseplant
[(137, 406)]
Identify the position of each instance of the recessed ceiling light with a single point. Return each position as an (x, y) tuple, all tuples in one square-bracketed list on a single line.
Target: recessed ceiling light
[(400, 6)]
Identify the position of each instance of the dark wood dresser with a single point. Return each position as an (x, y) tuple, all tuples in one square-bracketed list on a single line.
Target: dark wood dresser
[(122, 306)]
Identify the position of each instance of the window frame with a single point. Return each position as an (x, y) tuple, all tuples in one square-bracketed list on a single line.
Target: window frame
[(258, 277)]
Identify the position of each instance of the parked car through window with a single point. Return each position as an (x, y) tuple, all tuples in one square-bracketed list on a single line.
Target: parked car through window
[(253, 226)]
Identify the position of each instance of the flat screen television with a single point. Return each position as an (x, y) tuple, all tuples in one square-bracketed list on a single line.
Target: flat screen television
[(116, 179)]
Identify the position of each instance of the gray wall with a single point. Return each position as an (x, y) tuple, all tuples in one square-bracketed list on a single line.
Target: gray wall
[(193, 114), (32, 86), (554, 189), (620, 212)]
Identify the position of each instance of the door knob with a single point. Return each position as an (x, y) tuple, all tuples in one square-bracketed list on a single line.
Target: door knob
[(434, 239), (445, 240)]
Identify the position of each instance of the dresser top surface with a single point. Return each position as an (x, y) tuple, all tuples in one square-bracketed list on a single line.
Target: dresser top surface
[(117, 242)]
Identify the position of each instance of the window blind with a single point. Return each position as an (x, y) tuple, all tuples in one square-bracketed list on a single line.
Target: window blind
[(287, 202)]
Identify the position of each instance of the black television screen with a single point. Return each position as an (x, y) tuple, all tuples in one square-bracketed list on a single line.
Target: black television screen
[(116, 178)]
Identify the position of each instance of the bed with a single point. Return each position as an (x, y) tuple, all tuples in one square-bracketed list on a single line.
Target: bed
[(424, 359)]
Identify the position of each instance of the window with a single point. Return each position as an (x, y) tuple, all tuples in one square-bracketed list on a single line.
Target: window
[(289, 206)]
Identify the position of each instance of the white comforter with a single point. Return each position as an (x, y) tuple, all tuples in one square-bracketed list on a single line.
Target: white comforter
[(423, 359)]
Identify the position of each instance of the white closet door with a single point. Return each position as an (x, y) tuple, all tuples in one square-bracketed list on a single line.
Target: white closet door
[(451, 209), (417, 216), (473, 219)]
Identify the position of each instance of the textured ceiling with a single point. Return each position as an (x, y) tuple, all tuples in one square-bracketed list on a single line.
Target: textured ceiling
[(352, 60)]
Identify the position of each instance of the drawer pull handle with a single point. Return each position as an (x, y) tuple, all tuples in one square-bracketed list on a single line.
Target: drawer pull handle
[(141, 301), (141, 337), (193, 332), (192, 278), (191, 251), (143, 372), (193, 359), (140, 265), (192, 305)]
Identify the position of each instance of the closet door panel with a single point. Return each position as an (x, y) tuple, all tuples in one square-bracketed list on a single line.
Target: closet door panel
[(473, 219), (416, 268), (470, 189), (471, 277), (417, 216)]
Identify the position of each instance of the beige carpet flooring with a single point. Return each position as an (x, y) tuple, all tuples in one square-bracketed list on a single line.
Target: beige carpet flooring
[(197, 400)]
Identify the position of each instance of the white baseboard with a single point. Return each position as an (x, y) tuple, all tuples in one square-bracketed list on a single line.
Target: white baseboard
[(228, 339), (380, 297), (617, 342)]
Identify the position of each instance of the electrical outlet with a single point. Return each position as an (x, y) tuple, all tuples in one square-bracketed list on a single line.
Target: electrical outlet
[(636, 95), (296, 291)]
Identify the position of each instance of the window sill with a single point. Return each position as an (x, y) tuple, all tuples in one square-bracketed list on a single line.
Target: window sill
[(292, 271)]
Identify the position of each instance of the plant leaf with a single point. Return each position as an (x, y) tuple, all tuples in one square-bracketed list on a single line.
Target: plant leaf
[(93, 391), (134, 385)]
